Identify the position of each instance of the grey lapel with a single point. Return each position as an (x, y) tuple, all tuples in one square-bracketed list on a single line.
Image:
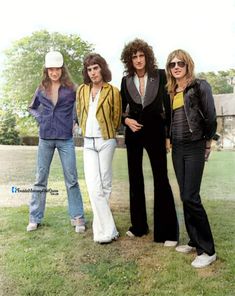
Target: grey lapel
[(151, 90), (133, 90)]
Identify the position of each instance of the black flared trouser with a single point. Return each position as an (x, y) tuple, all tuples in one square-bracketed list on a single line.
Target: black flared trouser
[(165, 218), (188, 160)]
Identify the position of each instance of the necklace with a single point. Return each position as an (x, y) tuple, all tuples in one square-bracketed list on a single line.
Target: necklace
[(141, 76), (184, 84), (179, 89), (94, 92)]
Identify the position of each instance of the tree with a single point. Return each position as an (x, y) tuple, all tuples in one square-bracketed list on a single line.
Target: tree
[(8, 133), (218, 81), (24, 63)]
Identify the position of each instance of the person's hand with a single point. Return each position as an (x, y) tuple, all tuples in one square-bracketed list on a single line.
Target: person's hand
[(133, 124), (75, 129), (168, 145), (207, 153), (208, 149)]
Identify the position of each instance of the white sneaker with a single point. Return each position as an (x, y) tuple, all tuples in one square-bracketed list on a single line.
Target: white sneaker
[(79, 225), (185, 249), (80, 228), (203, 260), (77, 221), (32, 226), (105, 241), (130, 234), (169, 243)]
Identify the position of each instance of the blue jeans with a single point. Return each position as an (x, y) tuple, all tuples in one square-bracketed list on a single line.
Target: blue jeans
[(46, 149)]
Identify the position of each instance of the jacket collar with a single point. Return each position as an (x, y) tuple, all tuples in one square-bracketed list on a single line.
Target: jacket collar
[(103, 94), (150, 93)]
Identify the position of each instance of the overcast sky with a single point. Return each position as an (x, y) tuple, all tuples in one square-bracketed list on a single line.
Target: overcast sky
[(205, 28)]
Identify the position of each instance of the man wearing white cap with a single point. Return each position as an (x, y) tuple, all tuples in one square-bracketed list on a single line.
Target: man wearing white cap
[(52, 106)]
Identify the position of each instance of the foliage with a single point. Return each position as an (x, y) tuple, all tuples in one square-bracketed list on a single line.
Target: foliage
[(28, 126), (219, 81), (8, 133), (24, 65)]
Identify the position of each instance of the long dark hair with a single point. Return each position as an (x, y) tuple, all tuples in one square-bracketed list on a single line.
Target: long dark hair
[(65, 79), (92, 59), (132, 48)]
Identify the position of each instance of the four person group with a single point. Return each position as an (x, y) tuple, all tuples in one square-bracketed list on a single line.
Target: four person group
[(159, 109)]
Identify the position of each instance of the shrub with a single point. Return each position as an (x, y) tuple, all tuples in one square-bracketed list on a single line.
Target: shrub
[(8, 132)]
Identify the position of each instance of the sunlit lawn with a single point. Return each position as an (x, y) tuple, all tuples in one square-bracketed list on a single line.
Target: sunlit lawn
[(56, 261)]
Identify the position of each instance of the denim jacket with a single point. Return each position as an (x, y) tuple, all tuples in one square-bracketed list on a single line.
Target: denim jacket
[(55, 121)]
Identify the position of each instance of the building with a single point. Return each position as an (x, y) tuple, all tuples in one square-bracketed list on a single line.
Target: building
[(225, 109)]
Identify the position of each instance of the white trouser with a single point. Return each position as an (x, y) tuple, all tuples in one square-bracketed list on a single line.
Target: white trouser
[(98, 156)]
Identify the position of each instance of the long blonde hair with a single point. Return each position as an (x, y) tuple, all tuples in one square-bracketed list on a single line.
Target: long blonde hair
[(190, 75)]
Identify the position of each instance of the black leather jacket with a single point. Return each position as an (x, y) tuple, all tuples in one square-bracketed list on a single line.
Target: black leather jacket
[(200, 110)]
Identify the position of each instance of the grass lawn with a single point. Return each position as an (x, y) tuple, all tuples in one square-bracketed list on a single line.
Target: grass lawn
[(54, 260)]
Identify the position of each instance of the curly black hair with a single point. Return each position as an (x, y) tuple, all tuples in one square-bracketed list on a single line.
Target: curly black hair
[(92, 59), (132, 48)]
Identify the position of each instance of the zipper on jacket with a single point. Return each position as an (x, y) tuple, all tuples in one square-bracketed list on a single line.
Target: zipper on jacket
[(191, 131), (202, 115)]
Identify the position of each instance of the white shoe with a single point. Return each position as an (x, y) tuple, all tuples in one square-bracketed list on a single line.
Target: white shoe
[(80, 228), (185, 249), (203, 260), (79, 225), (130, 234), (116, 237), (105, 241), (32, 226), (169, 243), (77, 221)]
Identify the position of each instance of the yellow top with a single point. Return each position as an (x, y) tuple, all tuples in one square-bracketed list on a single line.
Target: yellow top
[(178, 100)]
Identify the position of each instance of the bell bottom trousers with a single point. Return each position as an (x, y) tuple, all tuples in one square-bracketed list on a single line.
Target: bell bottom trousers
[(98, 156), (188, 161), (165, 218)]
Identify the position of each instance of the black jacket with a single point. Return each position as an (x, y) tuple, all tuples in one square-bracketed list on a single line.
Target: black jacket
[(155, 113), (200, 110)]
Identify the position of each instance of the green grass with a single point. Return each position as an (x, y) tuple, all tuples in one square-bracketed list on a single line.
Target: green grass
[(55, 260)]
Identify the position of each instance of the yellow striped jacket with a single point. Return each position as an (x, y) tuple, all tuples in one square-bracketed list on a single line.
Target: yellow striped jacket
[(108, 111)]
